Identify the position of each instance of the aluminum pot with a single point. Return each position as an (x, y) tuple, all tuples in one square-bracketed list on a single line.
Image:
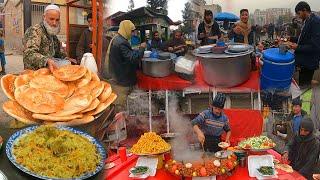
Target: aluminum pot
[(156, 67), (226, 72)]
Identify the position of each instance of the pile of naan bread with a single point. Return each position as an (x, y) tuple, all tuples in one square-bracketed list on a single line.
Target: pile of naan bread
[(71, 95)]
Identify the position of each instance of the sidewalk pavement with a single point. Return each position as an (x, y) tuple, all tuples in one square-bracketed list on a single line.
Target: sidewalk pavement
[(14, 65)]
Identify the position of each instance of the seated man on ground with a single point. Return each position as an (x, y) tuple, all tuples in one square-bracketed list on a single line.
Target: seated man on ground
[(303, 150)]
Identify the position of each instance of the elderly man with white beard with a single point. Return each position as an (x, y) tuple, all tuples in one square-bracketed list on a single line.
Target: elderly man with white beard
[(42, 47)]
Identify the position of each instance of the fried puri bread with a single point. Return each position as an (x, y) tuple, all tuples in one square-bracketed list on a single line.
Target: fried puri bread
[(84, 80), (69, 72), (92, 106), (16, 111), (42, 71), (39, 101), (76, 122), (106, 92), (74, 104), (23, 80), (56, 118), (104, 105), (7, 85), (51, 84)]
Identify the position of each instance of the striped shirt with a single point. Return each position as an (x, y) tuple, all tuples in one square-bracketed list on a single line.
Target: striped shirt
[(212, 124)]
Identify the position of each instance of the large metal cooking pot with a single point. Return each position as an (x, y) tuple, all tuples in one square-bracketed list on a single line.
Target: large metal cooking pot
[(158, 68), (226, 70)]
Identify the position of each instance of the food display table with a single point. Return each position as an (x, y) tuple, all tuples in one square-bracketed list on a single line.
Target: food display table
[(121, 171)]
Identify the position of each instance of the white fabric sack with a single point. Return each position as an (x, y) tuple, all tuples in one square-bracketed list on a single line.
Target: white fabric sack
[(184, 65), (89, 62)]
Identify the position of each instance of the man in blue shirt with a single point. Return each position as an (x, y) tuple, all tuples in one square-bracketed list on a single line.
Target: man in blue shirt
[(293, 121), (210, 124)]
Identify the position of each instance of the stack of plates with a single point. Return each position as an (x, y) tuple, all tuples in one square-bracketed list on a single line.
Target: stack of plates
[(237, 49)]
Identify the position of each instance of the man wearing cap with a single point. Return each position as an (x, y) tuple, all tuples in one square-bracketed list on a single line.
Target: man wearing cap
[(210, 124), (41, 44), (294, 120), (303, 150)]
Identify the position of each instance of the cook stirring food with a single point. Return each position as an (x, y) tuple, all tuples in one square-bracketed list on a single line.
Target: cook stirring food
[(210, 124)]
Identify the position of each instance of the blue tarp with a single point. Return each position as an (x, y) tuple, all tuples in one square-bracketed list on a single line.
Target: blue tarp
[(226, 16)]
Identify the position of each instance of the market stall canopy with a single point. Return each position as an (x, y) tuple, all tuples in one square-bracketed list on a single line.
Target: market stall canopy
[(226, 16), (139, 13)]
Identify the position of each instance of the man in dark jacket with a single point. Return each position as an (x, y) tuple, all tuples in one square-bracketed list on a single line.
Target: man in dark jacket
[(155, 42), (242, 32), (303, 150), (270, 31), (124, 61), (307, 49), (208, 30), (85, 42)]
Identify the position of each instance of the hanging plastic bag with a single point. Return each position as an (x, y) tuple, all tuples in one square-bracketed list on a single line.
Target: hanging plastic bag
[(89, 62)]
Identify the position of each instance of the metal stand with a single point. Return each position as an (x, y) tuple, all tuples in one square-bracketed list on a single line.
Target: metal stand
[(150, 111), (167, 112)]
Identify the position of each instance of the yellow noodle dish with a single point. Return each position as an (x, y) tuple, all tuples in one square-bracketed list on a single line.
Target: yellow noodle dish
[(52, 152), (150, 143)]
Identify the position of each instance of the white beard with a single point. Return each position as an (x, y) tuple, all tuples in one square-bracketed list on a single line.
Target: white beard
[(52, 30)]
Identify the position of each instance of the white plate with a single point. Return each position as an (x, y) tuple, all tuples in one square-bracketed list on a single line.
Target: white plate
[(2, 176), (256, 161), (235, 53), (205, 48), (203, 51), (109, 165), (237, 48), (223, 154)]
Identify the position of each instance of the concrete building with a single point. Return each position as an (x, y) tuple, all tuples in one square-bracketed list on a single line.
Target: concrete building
[(13, 18), (197, 7), (271, 15), (215, 8)]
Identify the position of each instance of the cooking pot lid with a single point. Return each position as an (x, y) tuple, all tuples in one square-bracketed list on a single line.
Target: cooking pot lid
[(164, 55), (273, 55)]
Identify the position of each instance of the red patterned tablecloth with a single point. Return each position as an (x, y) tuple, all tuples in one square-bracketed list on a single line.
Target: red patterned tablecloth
[(121, 171)]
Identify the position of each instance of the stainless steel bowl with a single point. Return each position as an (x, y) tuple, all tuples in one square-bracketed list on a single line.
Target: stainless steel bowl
[(156, 67)]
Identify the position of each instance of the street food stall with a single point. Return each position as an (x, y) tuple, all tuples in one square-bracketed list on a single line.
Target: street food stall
[(175, 160), (244, 159)]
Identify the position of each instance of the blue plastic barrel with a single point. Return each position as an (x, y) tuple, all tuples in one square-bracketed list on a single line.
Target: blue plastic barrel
[(277, 70)]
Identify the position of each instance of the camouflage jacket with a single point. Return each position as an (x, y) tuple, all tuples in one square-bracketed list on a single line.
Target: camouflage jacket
[(39, 46)]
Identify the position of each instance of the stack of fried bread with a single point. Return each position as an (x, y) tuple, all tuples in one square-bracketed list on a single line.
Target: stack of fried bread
[(71, 95)]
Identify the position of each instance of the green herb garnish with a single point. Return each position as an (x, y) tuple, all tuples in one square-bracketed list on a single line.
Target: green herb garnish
[(266, 170), (140, 170)]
